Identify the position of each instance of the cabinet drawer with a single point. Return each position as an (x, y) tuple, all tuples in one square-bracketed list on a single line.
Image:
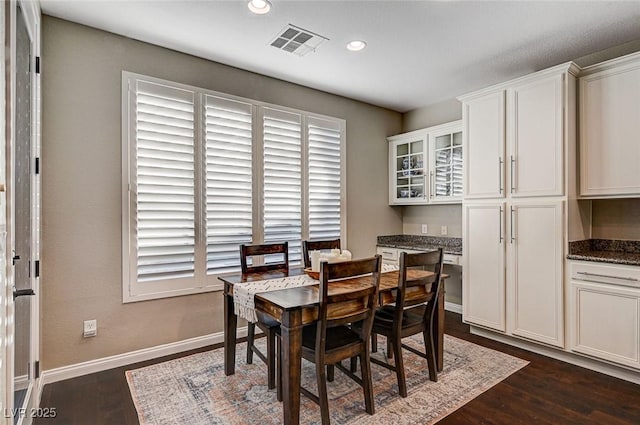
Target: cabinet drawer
[(388, 254), (451, 259), (617, 274)]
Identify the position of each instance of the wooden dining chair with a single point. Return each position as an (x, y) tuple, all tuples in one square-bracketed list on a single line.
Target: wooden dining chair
[(268, 326), (332, 338), (308, 246), (413, 313)]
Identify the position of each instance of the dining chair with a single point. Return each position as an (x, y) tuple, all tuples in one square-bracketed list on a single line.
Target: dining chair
[(332, 338), (308, 246), (413, 313), (267, 325)]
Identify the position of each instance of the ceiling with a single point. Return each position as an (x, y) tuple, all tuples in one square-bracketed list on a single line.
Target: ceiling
[(419, 52)]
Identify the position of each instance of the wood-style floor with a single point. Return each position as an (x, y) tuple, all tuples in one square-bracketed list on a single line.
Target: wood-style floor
[(546, 391)]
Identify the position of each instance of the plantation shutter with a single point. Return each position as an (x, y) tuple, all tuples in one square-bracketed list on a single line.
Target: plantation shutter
[(164, 198), (282, 167), (325, 141), (228, 142)]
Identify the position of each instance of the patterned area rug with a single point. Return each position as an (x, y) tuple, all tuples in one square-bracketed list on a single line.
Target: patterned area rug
[(194, 390)]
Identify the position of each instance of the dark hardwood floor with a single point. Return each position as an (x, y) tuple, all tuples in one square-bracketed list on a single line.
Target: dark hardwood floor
[(546, 391)]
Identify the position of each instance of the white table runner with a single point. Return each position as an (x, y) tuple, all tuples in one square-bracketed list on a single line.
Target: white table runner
[(243, 293)]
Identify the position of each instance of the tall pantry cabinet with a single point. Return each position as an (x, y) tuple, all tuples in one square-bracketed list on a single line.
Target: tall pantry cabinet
[(516, 142)]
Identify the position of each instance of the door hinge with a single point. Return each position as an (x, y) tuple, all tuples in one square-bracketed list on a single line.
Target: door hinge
[(37, 268), (36, 367), (37, 165), (37, 64)]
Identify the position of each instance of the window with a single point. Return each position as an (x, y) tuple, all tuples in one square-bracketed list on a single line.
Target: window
[(204, 172)]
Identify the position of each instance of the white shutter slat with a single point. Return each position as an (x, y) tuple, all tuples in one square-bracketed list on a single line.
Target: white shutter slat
[(164, 182), (325, 180), (282, 190), (229, 180)]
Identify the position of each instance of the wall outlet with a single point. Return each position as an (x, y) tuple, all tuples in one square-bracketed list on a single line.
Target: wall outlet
[(444, 230), (90, 328), (424, 228)]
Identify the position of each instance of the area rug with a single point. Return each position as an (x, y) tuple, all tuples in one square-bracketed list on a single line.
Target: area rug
[(194, 390)]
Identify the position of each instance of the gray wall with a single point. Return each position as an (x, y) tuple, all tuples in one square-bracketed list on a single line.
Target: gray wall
[(81, 262), (615, 219)]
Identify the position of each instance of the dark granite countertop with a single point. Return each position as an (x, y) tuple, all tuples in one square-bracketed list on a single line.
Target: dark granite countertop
[(606, 251), (418, 242)]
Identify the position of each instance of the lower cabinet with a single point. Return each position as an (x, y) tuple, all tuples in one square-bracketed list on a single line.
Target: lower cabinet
[(604, 312), (513, 262)]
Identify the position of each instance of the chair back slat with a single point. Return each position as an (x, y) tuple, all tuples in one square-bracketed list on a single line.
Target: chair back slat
[(264, 249), (308, 246), (414, 289), (347, 305)]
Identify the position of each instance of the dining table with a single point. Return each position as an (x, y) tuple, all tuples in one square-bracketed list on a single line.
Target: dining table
[(296, 307)]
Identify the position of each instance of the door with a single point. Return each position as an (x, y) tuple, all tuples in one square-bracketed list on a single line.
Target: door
[(536, 134), (483, 139), (407, 166), (483, 280), (445, 166), (535, 235)]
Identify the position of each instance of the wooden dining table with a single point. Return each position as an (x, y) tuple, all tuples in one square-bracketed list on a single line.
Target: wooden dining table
[(297, 307)]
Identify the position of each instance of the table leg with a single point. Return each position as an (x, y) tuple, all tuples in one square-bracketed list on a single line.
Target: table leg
[(439, 329), (230, 326), (292, 363)]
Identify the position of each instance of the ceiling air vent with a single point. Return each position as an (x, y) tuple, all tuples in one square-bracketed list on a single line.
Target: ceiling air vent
[(296, 40)]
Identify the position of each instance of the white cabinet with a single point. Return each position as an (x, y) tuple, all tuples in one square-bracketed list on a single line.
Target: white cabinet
[(483, 135), (609, 128), (514, 137), (605, 312), (513, 262), (483, 280), (535, 276), (392, 256), (425, 166)]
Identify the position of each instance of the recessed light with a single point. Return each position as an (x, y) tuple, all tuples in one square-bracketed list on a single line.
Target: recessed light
[(356, 45), (259, 7)]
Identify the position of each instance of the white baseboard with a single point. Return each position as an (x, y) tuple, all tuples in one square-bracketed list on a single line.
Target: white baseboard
[(453, 307), (105, 363), (598, 366)]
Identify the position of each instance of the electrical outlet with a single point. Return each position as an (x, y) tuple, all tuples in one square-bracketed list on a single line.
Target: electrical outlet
[(90, 328), (443, 230), (424, 228)]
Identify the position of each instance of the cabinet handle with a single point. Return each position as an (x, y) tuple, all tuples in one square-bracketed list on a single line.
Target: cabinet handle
[(513, 211), (500, 163), (513, 184), (432, 186), (631, 279), (500, 239)]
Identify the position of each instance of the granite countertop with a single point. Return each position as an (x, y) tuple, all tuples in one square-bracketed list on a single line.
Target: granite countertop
[(418, 242), (606, 251)]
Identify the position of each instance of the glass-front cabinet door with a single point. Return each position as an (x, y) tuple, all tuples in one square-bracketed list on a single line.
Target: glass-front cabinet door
[(407, 168), (445, 169)]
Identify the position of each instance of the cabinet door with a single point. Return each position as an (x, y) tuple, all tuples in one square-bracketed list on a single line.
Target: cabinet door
[(609, 129), (535, 161), (605, 322), (407, 169), (535, 271), (445, 166), (483, 137), (483, 280)]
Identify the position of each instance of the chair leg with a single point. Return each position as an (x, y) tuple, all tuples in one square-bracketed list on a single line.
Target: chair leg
[(331, 372), (374, 343), (279, 350), (399, 365), (389, 348), (323, 399), (431, 355), (271, 359), (353, 364), (251, 331), (367, 384)]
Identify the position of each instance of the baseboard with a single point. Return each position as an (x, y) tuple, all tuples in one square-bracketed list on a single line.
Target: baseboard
[(119, 360), (453, 307), (595, 365)]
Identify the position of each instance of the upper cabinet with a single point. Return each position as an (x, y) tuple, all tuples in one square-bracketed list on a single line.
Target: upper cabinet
[(514, 136), (609, 128), (425, 166)]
